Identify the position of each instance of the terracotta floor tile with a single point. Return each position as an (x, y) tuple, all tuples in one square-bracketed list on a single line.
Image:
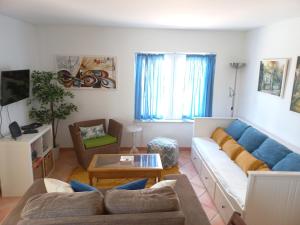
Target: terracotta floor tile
[(182, 161), (210, 213), (188, 172), (185, 154), (198, 189), (189, 167), (197, 180), (4, 212), (207, 201), (217, 220), (8, 202), (64, 166)]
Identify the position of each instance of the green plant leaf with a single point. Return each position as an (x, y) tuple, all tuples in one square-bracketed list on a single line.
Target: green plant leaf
[(49, 100)]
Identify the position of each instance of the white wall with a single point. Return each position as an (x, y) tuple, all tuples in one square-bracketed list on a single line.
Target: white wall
[(272, 113), (124, 43), (18, 50)]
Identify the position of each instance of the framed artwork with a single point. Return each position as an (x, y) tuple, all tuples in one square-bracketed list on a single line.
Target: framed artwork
[(91, 72), (295, 102), (272, 74)]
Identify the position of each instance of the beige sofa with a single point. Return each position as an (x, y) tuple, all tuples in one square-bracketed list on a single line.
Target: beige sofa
[(190, 213)]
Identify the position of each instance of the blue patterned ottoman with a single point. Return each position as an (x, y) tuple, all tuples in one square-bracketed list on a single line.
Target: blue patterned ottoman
[(167, 148)]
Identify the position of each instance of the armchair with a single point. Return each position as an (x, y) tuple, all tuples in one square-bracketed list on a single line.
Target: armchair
[(84, 154)]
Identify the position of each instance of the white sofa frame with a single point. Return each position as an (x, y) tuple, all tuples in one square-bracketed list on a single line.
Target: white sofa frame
[(272, 198)]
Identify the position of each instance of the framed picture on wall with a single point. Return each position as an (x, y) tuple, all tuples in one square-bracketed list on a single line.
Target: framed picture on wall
[(272, 74), (87, 72), (295, 102)]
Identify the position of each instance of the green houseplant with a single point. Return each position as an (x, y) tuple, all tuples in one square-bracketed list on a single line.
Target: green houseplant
[(49, 100)]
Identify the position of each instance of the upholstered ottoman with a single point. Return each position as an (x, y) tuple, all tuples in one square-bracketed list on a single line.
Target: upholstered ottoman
[(167, 148)]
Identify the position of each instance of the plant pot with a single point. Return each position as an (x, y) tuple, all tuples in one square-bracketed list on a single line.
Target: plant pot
[(55, 152)]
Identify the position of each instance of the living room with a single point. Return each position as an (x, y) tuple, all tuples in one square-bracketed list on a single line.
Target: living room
[(237, 38)]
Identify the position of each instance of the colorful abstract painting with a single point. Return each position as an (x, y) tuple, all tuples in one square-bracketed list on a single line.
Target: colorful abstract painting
[(272, 75), (295, 103), (87, 71)]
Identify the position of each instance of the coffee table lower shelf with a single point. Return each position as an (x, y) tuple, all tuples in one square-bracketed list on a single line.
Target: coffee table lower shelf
[(124, 174), (107, 166)]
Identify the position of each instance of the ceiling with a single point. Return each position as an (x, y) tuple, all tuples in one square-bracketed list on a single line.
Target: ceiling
[(184, 14)]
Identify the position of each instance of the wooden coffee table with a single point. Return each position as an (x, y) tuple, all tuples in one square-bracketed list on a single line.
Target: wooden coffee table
[(109, 166)]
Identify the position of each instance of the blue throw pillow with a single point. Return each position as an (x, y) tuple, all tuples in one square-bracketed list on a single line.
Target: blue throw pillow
[(81, 187), (289, 163), (271, 152), (135, 185), (236, 129), (251, 139)]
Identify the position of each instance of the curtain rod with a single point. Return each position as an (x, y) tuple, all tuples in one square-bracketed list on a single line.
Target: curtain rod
[(179, 53)]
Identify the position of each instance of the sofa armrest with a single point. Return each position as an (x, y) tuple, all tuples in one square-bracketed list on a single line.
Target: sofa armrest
[(76, 138), (190, 205), (272, 197), (38, 187), (204, 126), (77, 144), (161, 218), (115, 129)]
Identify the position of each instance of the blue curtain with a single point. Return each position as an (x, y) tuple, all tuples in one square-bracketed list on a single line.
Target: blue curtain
[(151, 91), (148, 86), (199, 81)]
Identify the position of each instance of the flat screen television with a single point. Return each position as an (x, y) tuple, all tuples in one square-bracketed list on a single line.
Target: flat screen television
[(14, 86)]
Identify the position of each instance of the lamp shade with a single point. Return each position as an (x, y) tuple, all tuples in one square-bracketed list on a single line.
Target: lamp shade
[(237, 65)]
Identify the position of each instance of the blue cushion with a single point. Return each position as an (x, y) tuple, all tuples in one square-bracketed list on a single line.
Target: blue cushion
[(271, 152), (251, 139), (80, 187), (236, 129), (290, 163), (135, 185)]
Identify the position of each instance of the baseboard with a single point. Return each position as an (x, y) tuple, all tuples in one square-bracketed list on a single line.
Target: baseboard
[(142, 149), (66, 149), (145, 148)]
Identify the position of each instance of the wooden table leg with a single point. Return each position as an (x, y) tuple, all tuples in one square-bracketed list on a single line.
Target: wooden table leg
[(158, 178), (91, 179)]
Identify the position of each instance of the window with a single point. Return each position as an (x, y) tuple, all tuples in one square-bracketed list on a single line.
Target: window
[(173, 86)]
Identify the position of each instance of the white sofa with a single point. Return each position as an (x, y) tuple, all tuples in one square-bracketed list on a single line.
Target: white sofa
[(262, 198)]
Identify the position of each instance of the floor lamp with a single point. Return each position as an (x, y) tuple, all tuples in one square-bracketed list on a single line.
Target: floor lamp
[(232, 92)]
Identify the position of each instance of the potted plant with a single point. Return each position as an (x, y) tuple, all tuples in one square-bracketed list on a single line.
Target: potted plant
[(49, 101)]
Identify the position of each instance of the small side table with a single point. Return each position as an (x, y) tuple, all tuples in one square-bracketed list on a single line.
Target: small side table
[(133, 129)]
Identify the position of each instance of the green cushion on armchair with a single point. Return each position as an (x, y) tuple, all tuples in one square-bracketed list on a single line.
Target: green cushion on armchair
[(99, 141)]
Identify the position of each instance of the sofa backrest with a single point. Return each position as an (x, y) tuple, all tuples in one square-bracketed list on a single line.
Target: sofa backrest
[(236, 129), (251, 139), (265, 148), (38, 187), (271, 152), (271, 135)]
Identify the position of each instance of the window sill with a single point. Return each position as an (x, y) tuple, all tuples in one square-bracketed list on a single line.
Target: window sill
[(164, 121)]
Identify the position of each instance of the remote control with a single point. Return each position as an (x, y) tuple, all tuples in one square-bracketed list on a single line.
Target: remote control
[(33, 131)]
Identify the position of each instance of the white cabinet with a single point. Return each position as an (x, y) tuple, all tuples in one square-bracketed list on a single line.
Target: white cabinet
[(208, 180), (196, 161), (223, 204), (17, 168)]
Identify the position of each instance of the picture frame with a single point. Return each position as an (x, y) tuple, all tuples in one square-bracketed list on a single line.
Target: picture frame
[(295, 100), (272, 76), (87, 72)]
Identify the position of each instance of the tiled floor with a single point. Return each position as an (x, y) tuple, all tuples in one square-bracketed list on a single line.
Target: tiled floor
[(187, 168), (67, 162)]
